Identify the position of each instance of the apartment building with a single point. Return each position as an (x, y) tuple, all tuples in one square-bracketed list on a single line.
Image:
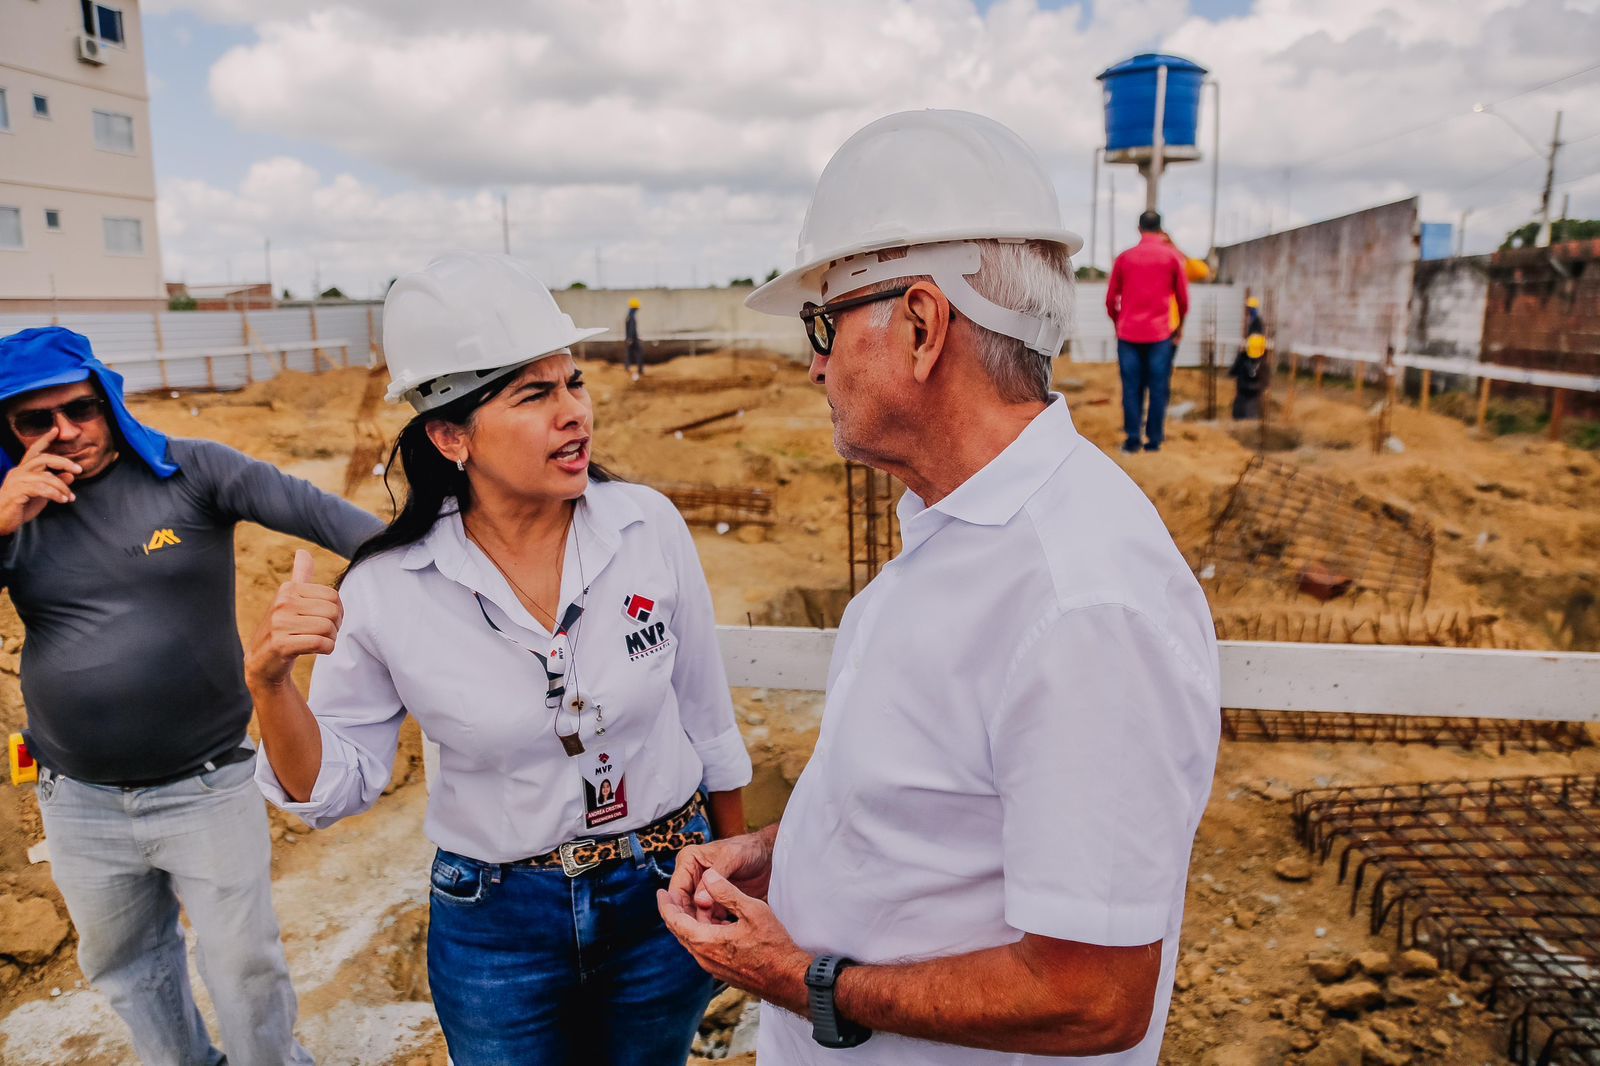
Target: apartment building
[(77, 173)]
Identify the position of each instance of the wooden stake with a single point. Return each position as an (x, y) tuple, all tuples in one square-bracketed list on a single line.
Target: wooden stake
[(211, 373), (1427, 388), (317, 355), (1483, 402), (1294, 376), (1316, 371), (1361, 378), (372, 340), (161, 364), (1558, 409)]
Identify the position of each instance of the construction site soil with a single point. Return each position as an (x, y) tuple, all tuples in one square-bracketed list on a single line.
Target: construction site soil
[(1516, 522)]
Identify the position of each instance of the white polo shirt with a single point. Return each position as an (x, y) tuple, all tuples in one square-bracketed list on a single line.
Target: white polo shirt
[(1020, 735), (415, 640)]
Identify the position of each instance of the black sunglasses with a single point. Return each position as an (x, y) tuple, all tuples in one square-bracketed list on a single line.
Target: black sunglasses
[(819, 318), (38, 422)]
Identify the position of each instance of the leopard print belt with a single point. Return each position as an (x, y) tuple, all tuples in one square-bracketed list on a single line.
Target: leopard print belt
[(664, 834)]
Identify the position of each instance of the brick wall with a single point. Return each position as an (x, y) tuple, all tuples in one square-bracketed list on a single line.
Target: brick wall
[(1544, 312)]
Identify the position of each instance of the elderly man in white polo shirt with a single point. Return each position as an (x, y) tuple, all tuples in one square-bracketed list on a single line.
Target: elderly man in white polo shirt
[(986, 857)]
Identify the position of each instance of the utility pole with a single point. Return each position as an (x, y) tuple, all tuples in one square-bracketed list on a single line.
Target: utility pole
[(1461, 231), (1216, 156), (505, 225), (1543, 240), (1111, 221), (267, 250), (1094, 204)]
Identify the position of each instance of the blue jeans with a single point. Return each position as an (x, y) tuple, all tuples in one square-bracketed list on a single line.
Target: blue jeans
[(1146, 370), (530, 967), (124, 858)]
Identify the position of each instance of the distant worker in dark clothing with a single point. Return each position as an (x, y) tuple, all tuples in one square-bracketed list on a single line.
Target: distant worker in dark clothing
[(116, 545), (1251, 372), (1148, 298), (633, 358)]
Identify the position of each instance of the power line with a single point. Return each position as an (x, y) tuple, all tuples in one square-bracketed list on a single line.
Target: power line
[(1547, 84), (1441, 120)]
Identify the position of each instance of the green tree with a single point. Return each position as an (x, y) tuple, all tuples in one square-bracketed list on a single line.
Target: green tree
[(332, 294), (774, 274), (735, 283), (1561, 230), (287, 295), (577, 285), (182, 303), (1089, 273)]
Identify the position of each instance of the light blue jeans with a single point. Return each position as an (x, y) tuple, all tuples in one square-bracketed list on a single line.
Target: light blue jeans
[(123, 858)]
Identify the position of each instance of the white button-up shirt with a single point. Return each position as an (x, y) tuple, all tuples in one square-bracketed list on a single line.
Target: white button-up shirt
[(1020, 734), (415, 640)]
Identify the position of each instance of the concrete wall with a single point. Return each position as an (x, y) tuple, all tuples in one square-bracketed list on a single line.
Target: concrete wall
[(1448, 300), (1544, 312), (706, 318), (52, 163), (716, 318), (1343, 283)]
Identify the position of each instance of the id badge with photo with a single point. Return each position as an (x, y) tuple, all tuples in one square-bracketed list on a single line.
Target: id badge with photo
[(605, 794)]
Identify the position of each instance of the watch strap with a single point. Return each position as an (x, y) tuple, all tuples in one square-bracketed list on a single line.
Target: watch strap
[(828, 1028)]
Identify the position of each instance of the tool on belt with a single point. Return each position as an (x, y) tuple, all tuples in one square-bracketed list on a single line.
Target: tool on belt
[(23, 768), (664, 834)]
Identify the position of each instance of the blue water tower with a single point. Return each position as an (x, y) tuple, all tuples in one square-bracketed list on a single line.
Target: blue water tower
[(1152, 106), (1133, 99)]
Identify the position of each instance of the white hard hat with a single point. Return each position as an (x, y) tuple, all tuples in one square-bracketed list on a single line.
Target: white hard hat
[(465, 319), (939, 179)]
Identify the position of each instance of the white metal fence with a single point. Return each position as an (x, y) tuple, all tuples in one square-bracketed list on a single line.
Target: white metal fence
[(1352, 678), (218, 349)]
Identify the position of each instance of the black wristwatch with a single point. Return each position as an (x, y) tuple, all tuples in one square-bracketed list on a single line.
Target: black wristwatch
[(827, 1027)]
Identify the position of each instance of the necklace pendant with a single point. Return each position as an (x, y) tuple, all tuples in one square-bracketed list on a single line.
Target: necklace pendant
[(571, 743)]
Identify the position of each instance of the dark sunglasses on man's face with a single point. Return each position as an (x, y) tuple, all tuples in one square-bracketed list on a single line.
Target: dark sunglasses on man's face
[(819, 318), (37, 423)]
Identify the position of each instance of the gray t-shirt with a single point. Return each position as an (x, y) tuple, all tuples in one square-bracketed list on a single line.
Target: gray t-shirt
[(132, 668)]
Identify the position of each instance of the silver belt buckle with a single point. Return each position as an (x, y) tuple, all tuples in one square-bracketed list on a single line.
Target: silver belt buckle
[(571, 866)]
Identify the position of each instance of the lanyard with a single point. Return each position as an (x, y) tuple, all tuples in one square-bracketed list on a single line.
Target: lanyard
[(556, 665)]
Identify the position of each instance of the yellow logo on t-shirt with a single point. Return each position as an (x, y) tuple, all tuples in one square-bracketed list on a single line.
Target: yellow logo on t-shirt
[(161, 538)]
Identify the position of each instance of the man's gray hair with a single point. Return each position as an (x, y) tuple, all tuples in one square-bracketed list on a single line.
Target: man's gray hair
[(1033, 277)]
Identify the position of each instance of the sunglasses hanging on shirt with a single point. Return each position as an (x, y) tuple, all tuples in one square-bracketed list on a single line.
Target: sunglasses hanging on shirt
[(558, 663)]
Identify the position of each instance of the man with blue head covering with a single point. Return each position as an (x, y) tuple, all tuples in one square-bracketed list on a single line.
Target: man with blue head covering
[(116, 544)]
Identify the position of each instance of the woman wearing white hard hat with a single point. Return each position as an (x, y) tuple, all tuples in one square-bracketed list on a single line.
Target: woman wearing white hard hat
[(551, 630)]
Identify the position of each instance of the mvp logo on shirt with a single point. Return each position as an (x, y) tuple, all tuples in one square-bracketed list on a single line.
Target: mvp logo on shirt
[(637, 608), (161, 538), (647, 641)]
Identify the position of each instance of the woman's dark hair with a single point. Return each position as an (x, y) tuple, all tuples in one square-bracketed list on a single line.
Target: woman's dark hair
[(431, 479)]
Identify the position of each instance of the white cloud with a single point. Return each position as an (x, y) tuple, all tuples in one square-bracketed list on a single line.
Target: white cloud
[(681, 140)]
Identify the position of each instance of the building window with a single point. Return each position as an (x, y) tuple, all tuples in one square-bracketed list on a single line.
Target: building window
[(102, 22), (52, 218), (5, 112), (11, 227), (124, 236), (113, 132), (41, 105)]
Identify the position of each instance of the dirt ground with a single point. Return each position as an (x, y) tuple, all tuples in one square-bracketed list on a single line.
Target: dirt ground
[(1518, 541)]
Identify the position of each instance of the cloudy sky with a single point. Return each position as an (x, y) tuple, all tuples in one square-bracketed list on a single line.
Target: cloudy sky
[(675, 142)]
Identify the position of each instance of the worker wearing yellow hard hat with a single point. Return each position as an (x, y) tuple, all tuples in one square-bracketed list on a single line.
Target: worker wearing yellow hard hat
[(1251, 372), (633, 350)]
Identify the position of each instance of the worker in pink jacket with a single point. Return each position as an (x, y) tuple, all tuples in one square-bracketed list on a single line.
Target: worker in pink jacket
[(1147, 281)]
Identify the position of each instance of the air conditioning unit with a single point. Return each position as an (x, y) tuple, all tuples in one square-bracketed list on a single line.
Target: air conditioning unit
[(90, 50)]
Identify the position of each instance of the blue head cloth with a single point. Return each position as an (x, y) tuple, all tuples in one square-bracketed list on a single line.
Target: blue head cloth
[(44, 358)]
